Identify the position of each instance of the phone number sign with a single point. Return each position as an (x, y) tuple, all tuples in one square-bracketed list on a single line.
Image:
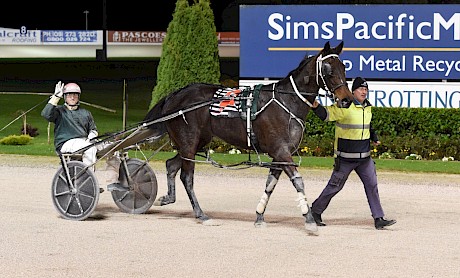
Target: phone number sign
[(71, 36)]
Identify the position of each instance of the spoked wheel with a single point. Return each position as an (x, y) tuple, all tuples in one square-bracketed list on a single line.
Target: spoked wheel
[(143, 187), (77, 200)]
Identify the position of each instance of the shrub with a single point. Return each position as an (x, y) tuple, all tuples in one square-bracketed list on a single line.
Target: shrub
[(30, 130), (16, 140)]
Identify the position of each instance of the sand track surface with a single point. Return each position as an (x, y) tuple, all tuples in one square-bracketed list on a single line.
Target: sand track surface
[(168, 242)]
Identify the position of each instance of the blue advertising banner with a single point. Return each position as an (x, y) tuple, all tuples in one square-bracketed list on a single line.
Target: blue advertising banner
[(71, 36), (381, 41)]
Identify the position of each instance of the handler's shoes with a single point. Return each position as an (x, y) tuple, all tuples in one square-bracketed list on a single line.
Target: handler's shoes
[(116, 187), (318, 220), (381, 223)]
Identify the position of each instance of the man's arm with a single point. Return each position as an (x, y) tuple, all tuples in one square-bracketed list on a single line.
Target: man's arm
[(374, 136), (319, 110)]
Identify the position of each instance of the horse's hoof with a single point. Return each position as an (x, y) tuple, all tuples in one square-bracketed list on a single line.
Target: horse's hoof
[(211, 222), (312, 229), (162, 201), (158, 202), (260, 224)]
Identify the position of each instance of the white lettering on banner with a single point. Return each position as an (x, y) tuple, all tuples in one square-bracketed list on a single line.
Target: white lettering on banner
[(71, 36), (398, 27), (138, 37), (382, 65), (400, 94), (439, 66)]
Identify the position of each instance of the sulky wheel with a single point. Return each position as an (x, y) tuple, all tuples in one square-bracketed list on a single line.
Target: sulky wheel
[(143, 187), (77, 200)]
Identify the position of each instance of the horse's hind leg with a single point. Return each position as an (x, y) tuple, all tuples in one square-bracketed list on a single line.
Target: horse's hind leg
[(173, 166), (186, 176), (272, 180)]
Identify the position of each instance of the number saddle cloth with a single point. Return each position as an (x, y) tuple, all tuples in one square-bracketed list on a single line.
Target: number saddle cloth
[(234, 103)]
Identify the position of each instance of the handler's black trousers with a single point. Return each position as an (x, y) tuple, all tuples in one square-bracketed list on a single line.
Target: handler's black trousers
[(366, 172)]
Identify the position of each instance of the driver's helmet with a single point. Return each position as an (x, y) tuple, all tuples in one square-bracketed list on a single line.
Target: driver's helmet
[(71, 88)]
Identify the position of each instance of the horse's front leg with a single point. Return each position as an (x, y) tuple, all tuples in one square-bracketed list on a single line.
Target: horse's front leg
[(296, 179), (172, 167), (272, 180)]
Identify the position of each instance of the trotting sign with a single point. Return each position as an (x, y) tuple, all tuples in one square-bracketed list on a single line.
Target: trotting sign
[(381, 41)]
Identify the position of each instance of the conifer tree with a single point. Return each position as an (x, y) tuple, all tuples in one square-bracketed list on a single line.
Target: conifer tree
[(190, 50)]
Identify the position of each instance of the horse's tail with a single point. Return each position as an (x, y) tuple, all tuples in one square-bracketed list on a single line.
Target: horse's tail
[(154, 114), (155, 130)]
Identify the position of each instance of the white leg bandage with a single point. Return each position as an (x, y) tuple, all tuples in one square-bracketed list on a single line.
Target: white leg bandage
[(302, 203), (272, 181), (262, 203), (113, 167)]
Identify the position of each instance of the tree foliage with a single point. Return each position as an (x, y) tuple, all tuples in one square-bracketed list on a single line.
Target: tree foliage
[(190, 50)]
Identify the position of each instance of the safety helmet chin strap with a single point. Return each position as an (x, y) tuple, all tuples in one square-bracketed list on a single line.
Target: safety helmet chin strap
[(72, 107)]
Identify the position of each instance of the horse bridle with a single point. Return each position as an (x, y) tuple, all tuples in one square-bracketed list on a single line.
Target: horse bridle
[(324, 76)]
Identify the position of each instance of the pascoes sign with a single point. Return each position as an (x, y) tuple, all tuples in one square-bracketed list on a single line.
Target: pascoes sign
[(381, 41)]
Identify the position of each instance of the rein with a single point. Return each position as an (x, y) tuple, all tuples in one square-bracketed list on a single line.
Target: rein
[(242, 165)]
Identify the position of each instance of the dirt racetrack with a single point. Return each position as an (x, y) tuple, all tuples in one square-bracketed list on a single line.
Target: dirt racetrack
[(168, 242)]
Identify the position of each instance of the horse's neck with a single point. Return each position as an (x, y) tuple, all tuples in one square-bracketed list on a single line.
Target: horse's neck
[(298, 84), (284, 92)]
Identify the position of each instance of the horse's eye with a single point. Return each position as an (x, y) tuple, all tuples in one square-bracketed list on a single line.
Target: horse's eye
[(327, 70)]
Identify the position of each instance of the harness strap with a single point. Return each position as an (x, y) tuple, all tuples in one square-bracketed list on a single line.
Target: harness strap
[(273, 99), (297, 92)]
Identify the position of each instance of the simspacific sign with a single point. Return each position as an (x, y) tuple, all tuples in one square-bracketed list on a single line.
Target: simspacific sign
[(381, 41)]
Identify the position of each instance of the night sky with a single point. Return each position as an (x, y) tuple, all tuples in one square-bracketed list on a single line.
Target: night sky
[(133, 15)]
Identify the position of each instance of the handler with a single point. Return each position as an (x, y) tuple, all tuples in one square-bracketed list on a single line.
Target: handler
[(353, 133), (74, 128)]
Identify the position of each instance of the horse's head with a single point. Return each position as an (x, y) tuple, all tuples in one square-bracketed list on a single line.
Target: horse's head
[(330, 73)]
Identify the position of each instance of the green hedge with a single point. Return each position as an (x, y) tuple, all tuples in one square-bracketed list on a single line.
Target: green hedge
[(429, 132)]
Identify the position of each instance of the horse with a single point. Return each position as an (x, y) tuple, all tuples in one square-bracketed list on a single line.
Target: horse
[(277, 129)]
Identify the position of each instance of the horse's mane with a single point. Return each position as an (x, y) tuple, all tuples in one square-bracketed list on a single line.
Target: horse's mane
[(307, 58)]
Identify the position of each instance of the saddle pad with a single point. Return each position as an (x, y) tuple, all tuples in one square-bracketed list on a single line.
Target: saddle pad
[(227, 103)]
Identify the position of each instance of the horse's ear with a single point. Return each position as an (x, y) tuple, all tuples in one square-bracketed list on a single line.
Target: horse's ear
[(326, 47), (338, 48)]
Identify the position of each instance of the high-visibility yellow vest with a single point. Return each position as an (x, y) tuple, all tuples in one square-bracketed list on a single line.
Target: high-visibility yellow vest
[(352, 129)]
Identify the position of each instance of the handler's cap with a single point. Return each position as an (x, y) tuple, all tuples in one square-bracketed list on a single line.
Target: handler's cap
[(359, 82)]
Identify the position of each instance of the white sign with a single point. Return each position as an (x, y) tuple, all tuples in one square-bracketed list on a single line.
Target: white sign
[(19, 36), (400, 94)]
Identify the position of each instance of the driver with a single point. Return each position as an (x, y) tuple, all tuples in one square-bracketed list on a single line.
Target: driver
[(74, 126)]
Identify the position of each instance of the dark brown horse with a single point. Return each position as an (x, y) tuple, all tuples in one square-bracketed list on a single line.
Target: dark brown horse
[(276, 130)]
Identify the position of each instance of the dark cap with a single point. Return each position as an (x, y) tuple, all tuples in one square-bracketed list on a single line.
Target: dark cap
[(359, 82)]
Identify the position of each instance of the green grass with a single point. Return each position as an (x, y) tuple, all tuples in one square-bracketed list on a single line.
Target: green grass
[(13, 105)]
